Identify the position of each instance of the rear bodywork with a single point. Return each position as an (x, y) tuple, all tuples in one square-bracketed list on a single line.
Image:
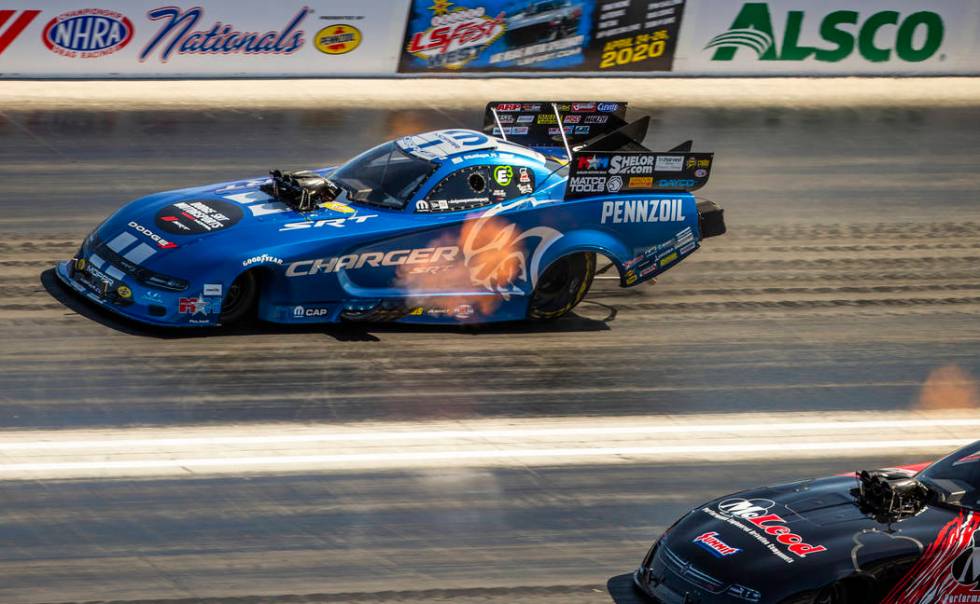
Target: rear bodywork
[(170, 258)]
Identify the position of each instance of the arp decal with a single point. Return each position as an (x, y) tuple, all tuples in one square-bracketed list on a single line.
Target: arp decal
[(87, 33), (948, 571)]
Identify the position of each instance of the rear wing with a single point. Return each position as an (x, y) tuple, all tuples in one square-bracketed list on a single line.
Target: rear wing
[(535, 124), (619, 163)]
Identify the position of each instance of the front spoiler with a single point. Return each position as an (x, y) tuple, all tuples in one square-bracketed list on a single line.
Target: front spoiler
[(64, 272)]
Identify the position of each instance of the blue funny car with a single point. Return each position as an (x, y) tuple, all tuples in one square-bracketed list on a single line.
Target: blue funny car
[(443, 227)]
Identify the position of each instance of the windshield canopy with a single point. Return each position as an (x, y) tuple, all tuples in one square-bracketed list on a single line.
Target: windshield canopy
[(383, 176), (963, 468)]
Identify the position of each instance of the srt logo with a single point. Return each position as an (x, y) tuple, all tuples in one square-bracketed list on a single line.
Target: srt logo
[(333, 222)]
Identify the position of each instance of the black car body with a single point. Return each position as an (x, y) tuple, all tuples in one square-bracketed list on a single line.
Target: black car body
[(892, 536)]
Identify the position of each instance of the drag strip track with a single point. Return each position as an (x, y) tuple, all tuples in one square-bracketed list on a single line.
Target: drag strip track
[(847, 290)]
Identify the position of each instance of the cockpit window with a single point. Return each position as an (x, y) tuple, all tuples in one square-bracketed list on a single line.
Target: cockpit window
[(383, 176), (963, 468), (477, 186)]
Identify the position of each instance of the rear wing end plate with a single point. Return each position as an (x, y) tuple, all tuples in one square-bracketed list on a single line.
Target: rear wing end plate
[(535, 124)]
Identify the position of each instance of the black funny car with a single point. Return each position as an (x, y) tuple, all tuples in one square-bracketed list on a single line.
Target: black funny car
[(894, 536)]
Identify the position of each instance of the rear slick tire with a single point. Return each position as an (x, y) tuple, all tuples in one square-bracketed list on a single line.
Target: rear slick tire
[(562, 286)]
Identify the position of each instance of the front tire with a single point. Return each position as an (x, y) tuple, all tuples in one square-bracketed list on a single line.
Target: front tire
[(562, 286), (239, 302)]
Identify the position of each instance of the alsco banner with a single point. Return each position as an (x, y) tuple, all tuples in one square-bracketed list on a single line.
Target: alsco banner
[(830, 37), (541, 35)]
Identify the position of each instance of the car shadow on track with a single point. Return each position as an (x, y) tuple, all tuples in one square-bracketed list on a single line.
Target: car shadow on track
[(344, 332), (621, 590)]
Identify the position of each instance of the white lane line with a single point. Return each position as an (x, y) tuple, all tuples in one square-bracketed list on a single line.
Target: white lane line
[(399, 459), (105, 441)]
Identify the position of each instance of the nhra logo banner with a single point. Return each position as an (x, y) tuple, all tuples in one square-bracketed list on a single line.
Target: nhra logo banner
[(214, 38), (541, 35)]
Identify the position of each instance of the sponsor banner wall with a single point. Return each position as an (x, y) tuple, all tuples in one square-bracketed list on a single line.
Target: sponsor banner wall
[(478, 38), (541, 35), (141, 38), (830, 37)]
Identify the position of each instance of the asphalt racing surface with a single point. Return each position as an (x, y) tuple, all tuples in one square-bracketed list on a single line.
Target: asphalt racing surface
[(836, 326)]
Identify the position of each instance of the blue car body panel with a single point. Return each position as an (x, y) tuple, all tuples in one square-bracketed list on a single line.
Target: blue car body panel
[(467, 265)]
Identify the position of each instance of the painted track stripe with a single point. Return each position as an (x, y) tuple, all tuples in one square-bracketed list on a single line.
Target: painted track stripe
[(106, 441), (497, 442), (344, 460)]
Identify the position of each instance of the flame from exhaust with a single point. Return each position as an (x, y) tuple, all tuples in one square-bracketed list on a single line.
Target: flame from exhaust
[(949, 387), (491, 256)]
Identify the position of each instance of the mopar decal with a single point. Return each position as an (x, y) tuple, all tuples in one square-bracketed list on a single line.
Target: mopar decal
[(301, 312)]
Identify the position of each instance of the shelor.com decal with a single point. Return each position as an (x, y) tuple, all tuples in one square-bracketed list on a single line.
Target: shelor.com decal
[(541, 35)]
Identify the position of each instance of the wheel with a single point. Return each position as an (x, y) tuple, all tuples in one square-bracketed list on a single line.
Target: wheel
[(562, 286), (239, 302)]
